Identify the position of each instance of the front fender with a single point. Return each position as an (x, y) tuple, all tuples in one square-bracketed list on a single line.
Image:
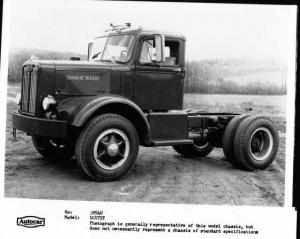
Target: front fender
[(77, 110)]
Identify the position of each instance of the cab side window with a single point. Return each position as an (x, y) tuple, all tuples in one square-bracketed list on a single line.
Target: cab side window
[(171, 52), (152, 51)]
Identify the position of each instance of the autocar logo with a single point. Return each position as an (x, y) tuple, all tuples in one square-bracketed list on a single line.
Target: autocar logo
[(30, 221), (83, 77)]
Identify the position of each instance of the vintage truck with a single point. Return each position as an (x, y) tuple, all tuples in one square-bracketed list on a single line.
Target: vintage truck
[(129, 92)]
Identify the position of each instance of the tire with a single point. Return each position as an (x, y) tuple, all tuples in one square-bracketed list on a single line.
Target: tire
[(256, 143), (107, 147), (195, 150), (228, 138), (52, 148)]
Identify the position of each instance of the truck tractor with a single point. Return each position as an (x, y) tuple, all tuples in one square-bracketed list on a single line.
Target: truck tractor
[(129, 92)]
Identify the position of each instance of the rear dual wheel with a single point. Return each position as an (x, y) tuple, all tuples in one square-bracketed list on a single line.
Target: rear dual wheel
[(256, 143), (252, 143), (228, 138)]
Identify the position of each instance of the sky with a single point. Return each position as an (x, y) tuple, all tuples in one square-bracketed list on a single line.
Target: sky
[(211, 30)]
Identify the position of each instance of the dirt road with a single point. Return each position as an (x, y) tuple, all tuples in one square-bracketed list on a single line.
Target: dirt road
[(160, 175)]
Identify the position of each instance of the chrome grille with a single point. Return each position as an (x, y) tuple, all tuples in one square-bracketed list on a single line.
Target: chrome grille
[(29, 86)]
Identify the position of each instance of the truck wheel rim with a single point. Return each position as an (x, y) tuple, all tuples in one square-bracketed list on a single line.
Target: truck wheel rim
[(111, 149), (261, 144), (200, 145)]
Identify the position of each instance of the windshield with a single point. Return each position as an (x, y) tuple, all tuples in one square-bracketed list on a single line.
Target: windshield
[(97, 48), (118, 48)]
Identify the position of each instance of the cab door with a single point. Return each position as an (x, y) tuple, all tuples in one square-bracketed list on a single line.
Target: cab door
[(158, 78)]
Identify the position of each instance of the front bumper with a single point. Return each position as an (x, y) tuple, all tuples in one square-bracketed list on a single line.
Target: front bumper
[(39, 126)]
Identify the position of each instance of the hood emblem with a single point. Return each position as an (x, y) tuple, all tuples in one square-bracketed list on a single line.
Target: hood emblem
[(82, 77)]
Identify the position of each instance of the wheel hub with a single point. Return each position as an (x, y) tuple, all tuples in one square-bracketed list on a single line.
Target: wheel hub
[(113, 150), (261, 144)]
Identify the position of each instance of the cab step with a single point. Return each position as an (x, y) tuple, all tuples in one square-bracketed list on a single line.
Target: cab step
[(172, 142)]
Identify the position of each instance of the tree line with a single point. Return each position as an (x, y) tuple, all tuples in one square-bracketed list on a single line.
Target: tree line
[(209, 77), (205, 76), (18, 56)]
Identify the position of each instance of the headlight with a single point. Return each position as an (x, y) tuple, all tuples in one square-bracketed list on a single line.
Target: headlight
[(18, 99), (47, 101)]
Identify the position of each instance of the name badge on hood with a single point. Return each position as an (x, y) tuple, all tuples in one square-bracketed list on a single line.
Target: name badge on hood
[(82, 77)]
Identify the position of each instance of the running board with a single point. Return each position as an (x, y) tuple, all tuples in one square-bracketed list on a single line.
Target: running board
[(172, 142)]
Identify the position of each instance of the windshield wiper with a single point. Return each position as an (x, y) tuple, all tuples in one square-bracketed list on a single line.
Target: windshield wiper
[(95, 55)]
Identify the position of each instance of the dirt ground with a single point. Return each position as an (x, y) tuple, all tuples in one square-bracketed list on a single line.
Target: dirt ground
[(160, 175)]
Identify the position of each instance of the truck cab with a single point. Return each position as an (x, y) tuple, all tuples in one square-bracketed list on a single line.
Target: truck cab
[(129, 92), (147, 66)]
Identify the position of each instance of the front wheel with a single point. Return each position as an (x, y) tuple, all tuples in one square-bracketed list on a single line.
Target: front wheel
[(107, 147), (197, 149), (53, 148)]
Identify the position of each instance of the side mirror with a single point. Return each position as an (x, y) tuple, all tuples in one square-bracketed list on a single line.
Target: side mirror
[(89, 50)]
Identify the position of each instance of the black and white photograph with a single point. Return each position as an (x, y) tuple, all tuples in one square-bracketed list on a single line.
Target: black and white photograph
[(108, 104), (149, 102)]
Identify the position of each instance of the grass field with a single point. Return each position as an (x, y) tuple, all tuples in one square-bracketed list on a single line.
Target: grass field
[(265, 78)]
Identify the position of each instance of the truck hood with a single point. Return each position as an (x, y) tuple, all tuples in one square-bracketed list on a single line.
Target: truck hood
[(73, 78), (69, 63), (82, 77)]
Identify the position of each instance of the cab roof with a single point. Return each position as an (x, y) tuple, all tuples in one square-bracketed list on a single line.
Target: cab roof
[(139, 32)]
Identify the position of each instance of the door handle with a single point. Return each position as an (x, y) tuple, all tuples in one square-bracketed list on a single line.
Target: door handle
[(183, 72)]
